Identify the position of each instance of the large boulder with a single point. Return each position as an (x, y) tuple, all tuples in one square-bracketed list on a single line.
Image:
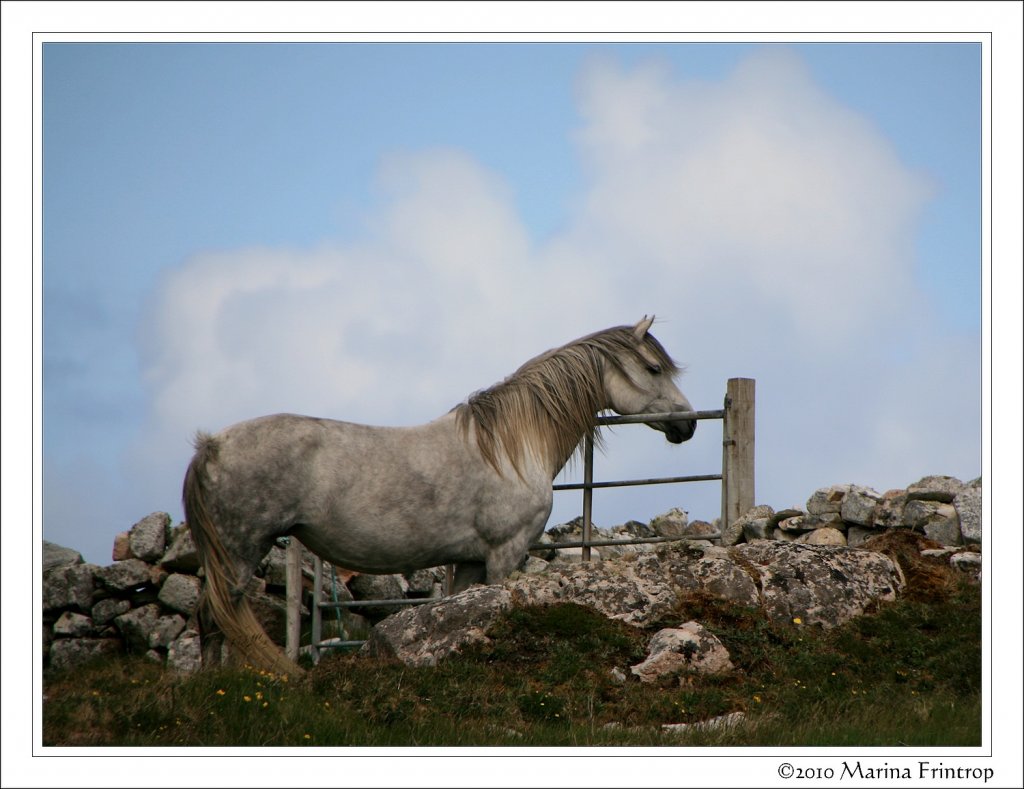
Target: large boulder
[(819, 585), (678, 650), (427, 633)]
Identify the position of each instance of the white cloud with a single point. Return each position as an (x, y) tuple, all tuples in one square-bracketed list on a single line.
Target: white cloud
[(772, 227)]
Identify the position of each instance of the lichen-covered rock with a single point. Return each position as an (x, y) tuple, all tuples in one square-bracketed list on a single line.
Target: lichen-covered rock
[(889, 512), (108, 609), (672, 524), (136, 625), (69, 586), (757, 529), (733, 533), (425, 634), (125, 576), (181, 557), (184, 654), (968, 507), (939, 521), (73, 625), (148, 537), (797, 524), (935, 488), (55, 555), (820, 585), (827, 500), (826, 535), (687, 648), (68, 653), (165, 630), (181, 593), (859, 505)]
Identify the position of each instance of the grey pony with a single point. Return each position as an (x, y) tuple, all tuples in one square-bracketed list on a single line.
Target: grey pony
[(471, 488)]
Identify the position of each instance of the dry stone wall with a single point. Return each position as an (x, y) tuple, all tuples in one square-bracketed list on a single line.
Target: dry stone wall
[(793, 562)]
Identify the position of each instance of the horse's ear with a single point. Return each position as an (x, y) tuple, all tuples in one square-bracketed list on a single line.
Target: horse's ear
[(640, 330)]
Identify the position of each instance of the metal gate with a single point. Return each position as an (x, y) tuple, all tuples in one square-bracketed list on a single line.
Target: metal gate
[(736, 475)]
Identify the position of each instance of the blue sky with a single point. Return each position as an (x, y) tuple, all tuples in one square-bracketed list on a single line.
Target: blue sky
[(372, 231)]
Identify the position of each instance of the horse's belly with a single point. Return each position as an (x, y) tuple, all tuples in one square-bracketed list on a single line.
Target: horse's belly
[(373, 549)]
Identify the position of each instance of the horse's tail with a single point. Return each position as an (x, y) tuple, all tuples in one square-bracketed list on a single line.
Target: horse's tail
[(222, 596)]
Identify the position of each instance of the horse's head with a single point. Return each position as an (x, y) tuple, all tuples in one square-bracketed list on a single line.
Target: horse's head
[(642, 383)]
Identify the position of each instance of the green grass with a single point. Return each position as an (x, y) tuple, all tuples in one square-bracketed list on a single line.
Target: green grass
[(909, 674)]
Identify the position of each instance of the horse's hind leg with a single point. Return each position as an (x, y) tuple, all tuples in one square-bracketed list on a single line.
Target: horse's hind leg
[(467, 574)]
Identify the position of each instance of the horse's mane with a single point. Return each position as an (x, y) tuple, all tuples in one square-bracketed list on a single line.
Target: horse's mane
[(550, 403)]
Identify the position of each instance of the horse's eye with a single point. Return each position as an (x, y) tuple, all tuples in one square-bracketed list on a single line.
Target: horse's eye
[(654, 369)]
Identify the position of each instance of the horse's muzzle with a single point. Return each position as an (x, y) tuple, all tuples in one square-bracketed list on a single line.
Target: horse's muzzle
[(678, 432)]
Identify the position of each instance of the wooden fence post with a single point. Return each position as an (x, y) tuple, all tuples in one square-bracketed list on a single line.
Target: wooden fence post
[(293, 583), (737, 450)]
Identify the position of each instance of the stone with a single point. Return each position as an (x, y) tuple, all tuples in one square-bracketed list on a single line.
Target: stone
[(826, 535), (797, 524), (73, 625), (889, 512), (165, 630), (148, 537), (855, 535), (783, 514), (136, 625), (534, 566), (55, 555), (818, 584), (184, 654), (378, 587), (425, 583), (674, 651), (425, 634), (935, 488), (181, 593), (859, 505), (697, 529), (69, 586), (672, 524), (728, 721), (69, 653), (966, 562), (272, 613), (106, 610), (122, 549), (181, 557), (631, 529), (640, 589), (968, 508), (757, 529), (129, 575), (274, 567), (827, 500), (733, 533), (939, 521)]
